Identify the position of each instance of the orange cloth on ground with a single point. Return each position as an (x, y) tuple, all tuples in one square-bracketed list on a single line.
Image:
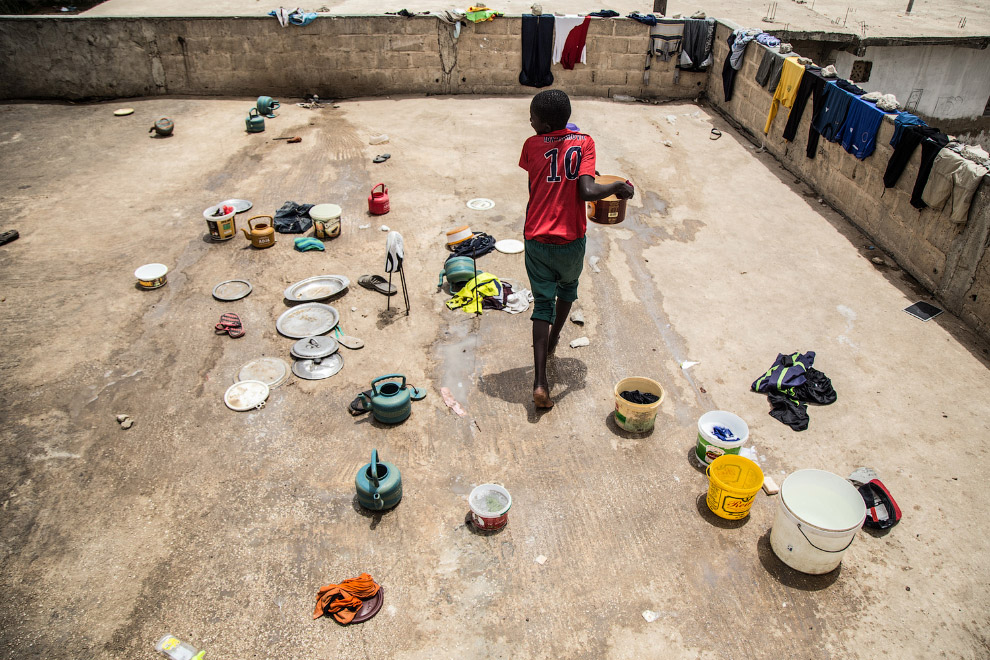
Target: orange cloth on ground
[(344, 600)]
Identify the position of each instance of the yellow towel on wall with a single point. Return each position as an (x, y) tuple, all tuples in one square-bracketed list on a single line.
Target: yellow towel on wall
[(787, 89)]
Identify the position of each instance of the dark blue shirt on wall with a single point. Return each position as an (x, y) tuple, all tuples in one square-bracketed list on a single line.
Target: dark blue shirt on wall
[(859, 131)]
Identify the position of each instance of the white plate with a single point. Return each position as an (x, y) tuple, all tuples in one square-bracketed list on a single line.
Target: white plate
[(316, 288), (307, 320), (480, 204), (509, 246), (246, 395)]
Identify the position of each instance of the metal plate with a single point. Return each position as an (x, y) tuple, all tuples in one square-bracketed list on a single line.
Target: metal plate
[(232, 290), (318, 369), (480, 204), (509, 246), (314, 347), (307, 320), (316, 288), (240, 205), (271, 371), (246, 395)]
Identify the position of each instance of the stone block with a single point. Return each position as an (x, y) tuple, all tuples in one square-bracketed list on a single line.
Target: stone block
[(627, 27), (499, 26), (609, 77), (410, 43), (600, 27), (626, 62)]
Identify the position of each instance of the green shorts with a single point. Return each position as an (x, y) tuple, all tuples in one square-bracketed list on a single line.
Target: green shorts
[(553, 273)]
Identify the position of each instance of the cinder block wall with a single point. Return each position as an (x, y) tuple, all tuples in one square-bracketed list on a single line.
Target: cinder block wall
[(947, 259), (335, 57)]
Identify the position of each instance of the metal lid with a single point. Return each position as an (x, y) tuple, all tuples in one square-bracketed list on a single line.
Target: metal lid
[(271, 371), (232, 290), (318, 369), (325, 212), (246, 395), (314, 347)]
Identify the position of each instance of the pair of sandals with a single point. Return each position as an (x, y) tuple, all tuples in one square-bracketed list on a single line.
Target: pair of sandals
[(230, 324)]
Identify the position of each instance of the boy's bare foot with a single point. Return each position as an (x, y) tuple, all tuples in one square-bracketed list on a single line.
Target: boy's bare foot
[(542, 398)]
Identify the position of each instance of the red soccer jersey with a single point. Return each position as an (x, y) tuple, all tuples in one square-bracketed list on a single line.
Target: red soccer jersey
[(555, 213)]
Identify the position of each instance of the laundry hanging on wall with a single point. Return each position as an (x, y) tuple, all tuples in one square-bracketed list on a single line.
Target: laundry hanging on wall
[(537, 50), (787, 89), (812, 85), (569, 38), (859, 131), (699, 36), (909, 140), (952, 184)]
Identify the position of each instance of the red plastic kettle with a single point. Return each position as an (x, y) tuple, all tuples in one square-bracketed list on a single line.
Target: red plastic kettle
[(378, 201)]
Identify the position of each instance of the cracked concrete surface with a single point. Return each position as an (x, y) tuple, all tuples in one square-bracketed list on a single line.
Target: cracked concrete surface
[(219, 526)]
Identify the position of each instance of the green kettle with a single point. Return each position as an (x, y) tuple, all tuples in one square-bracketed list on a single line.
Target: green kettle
[(378, 484), (458, 271), (255, 122), (390, 403)]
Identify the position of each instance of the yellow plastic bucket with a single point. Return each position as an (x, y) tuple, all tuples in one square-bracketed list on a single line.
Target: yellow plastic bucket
[(637, 417), (733, 482)]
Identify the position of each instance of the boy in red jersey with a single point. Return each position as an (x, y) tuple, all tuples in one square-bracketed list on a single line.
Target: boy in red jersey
[(561, 167)]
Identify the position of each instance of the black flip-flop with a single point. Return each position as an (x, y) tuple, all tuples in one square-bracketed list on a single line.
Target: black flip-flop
[(359, 406), (716, 134), (8, 236), (381, 158), (377, 283)]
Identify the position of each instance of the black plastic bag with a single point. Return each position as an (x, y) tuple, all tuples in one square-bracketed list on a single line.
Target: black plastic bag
[(293, 218)]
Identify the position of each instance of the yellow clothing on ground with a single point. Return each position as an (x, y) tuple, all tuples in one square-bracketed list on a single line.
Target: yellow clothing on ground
[(787, 89)]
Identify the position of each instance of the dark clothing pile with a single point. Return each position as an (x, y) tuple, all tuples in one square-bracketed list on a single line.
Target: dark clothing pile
[(477, 246), (293, 218), (791, 384), (642, 398)]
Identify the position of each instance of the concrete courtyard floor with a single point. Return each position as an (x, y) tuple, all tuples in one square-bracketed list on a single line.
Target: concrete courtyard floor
[(220, 526)]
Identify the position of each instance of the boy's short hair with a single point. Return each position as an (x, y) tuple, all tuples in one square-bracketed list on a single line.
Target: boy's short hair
[(552, 106)]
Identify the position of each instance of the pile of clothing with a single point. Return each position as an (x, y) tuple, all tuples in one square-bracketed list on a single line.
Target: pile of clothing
[(790, 384), (949, 173)]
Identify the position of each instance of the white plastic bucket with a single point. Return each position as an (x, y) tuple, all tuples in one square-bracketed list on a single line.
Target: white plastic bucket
[(490, 504), (817, 519), (709, 447)]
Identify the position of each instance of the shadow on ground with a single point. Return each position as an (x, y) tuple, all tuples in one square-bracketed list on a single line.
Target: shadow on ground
[(515, 386)]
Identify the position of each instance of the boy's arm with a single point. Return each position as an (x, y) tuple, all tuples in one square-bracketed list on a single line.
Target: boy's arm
[(589, 191)]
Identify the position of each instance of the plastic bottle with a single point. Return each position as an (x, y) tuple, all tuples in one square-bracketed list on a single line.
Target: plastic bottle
[(175, 648)]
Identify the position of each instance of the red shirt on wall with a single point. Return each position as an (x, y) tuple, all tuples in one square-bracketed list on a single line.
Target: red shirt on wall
[(554, 161)]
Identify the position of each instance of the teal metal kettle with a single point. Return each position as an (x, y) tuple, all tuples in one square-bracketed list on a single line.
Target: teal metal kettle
[(390, 403), (255, 122), (266, 105), (378, 484)]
